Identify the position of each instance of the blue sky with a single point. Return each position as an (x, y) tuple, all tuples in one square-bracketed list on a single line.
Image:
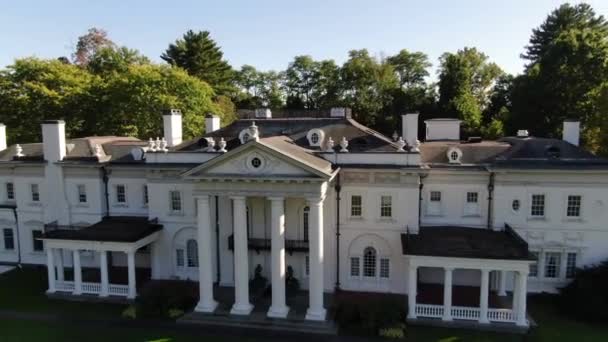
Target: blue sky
[(268, 33)]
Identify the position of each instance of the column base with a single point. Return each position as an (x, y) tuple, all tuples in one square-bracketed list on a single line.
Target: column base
[(447, 318), (484, 321), (502, 294), (206, 307), (241, 309), (50, 291), (316, 315), (278, 312), (522, 324)]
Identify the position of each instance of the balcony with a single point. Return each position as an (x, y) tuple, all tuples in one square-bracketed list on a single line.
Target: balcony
[(258, 245)]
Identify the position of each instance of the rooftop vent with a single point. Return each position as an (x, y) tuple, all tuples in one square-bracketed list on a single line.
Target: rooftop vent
[(474, 140), (522, 133)]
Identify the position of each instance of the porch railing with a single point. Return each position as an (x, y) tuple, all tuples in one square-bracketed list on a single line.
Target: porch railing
[(64, 286), (466, 313), (258, 244), (92, 288)]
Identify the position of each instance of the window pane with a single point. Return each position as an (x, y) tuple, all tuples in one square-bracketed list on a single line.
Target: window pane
[(356, 206), (384, 268), (145, 194), (307, 265), (386, 206), (354, 267), (570, 265), (534, 266), (369, 262), (35, 193), (435, 196), (305, 216), (472, 197), (176, 201), (179, 257), (82, 194), (538, 205), (9, 240), (552, 264), (574, 206), (37, 244), (121, 196), (192, 253), (10, 191)]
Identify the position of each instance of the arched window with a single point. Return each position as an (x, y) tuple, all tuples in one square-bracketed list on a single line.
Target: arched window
[(192, 253), (305, 216), (246, 137), (369, 262), (314, 138)]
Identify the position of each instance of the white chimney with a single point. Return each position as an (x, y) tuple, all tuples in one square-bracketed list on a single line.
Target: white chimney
[(571, 131), (442, 129), (2, 137), (212, 123), (53, 140), (263, 113), (340, 112), (172, 127), (409, 131)]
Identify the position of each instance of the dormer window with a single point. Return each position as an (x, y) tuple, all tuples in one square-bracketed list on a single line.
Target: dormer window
[(244, 136), (454, 155), (315, 137)]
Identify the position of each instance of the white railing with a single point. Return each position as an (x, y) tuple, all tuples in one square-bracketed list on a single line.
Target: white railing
[(64, 286), (91, 288), (465, 313), (502, 315), (429, 310), (118, 290)]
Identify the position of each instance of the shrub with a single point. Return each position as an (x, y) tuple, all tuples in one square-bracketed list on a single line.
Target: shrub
[(130, 312), (292, 284), (175, 313), (585, 297), (158, 298), (395, 332), (368, 313), (259, 281)]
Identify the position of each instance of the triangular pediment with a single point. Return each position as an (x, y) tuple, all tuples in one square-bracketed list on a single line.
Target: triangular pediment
[(255, 159)]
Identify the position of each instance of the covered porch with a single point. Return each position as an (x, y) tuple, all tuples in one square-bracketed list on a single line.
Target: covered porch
[(482, 254), (110, 235)]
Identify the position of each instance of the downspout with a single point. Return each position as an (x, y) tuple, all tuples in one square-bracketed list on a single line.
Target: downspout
[(338, 188), (217, 239), (420, 187), (490, 199), (105, 179), (18, 237)]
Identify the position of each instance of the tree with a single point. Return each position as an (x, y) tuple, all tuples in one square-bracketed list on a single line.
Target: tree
[(201, 57), (114, 59), (257, 89), (88, 45), (411, 67), (300, 79), (466, 79), (566, 74)]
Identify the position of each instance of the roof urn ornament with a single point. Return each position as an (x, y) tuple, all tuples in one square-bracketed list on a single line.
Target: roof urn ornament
[(210, 144), (254, 132), (151, 145), (416, 147), (330, 145), (157, 145), (395, 136), (98, 151), (400, 145), (222, 145), (163, 145), (343, 144), (19, 151)]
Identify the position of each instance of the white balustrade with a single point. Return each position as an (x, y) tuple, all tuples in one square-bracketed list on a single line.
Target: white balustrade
[(118, 290), (429, 310), (91, 288), (502, 315), (465, 313), (64, 286)]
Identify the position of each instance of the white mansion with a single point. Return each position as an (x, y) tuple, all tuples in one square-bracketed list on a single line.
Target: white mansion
[(342, 205)]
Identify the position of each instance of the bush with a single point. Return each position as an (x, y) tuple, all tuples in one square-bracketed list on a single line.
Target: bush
[(585, 297), (396, 332), (368, 313), (259, 281), (292, 284), (130, 312), (160, 299)]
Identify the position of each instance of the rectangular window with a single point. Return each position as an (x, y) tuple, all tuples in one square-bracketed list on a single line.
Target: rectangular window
[(472, 197), (82, 193), (534, 266), (570, 265), (179, 257), (356, 206), (37, 244), (552, 264), (573, 208), (9, 239), (176, 200), (386, 206), (355, 266), (307, 266), (145, 195), (471, 207), (35, 192), (121, 193), (434, 205), (10, 191), (435, 196), (537, 207), (384, 268)]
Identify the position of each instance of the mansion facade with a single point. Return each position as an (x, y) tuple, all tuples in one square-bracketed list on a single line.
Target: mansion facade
[(337, 204)]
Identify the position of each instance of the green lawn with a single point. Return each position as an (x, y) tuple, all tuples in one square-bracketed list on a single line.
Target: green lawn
[(23, 291)]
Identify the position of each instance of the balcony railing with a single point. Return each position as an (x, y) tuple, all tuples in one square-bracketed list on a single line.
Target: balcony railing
[(53, 226), (258, 245)]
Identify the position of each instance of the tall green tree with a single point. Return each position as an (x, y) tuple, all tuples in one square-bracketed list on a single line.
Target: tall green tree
[(466, 79), (201, 57), (411, 67), (566, 74), (257, 89), (89, 44)]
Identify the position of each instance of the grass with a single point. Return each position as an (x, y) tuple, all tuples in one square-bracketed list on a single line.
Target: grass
[(23, 291)]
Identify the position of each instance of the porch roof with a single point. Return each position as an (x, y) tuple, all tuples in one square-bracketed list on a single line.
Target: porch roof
[(109, 229), (465, 242)]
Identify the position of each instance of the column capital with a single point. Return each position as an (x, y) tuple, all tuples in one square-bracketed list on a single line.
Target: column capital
[(524, 273), (276, 198), (448, 269), (315, 201), (202, 197), (238, 198)]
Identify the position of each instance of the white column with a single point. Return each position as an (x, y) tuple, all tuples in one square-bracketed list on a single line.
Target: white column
[(412, 283), (515, 299), (77, 272), (50, 267), (483, 296), (316, 311), (60, 268), (206, 302), (155, 260), (447, 294), (241, 306), (131, 275), (522, 288), (103, 263), (502, 285), (278, 309)]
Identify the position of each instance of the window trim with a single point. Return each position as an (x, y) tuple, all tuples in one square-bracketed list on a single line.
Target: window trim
[(7, 192), (145, 195), (380, 207), (580, 209), (124, 203), (350, 206), (37, 193), (472, 209), (79, 194), (430, 204), (530, 203), (172, 210), (4, 239)]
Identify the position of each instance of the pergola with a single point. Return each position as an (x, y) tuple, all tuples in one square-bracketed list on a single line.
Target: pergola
[(112, 234)]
